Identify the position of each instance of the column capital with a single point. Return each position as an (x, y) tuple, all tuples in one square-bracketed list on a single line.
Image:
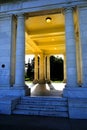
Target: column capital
[(20, 15), (48, 55), (68, 10)]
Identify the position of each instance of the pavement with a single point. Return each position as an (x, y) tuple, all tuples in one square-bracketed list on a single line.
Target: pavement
[(24, 122)]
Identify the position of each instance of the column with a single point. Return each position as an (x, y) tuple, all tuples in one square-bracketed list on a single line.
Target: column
[(79, 60), (20, 52), (70, 49), (45, 68), (36, 67), (83, 39), (41, 67), (48, 68), (64, 68)]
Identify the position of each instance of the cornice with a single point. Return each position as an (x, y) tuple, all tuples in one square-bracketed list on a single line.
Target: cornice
[(25, 6)]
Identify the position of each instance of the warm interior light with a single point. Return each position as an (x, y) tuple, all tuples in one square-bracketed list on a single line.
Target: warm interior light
[(53, 39), (48, 19)]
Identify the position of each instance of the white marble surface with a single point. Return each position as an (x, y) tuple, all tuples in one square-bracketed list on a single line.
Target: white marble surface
[(71, 67), (83, 38)]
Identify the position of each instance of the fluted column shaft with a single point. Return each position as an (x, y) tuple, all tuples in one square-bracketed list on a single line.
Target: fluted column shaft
[(45, 67), (36, 67), (41, 67), (83, 39), (70, 49), (64, 68), (48, 67), (79, 60), (20, 52)]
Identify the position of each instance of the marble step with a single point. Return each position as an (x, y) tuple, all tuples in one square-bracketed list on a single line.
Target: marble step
[(44, 101), (43, 98), (42, 113), (39, 107), (46, 106), (55, 103)]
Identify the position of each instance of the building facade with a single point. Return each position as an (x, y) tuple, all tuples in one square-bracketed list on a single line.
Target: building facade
[(14, 33)]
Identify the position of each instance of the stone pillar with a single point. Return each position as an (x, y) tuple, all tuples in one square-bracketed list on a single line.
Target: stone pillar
[(45, 68), (79, 60), (48, 68), (83, 39), (19, 86), (41, 70), (20, 52), (70, 49), (64, 69), (36, 69)]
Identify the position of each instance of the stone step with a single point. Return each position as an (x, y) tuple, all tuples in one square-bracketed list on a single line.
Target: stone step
[(56, 103), (42, 113), (43, 98), (43, 101), (47, 108)]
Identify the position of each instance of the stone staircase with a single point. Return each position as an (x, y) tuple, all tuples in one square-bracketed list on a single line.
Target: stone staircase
[(45, 106)]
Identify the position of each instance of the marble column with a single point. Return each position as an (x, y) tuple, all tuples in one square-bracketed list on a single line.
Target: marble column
[(20, 52), (48, 68), (45, 67), (71, 66), (36, 68), (83, 39), (79, 59), (64, 69), (41, 70)]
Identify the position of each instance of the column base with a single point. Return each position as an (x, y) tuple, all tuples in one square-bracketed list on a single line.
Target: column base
[(35, 81), (42, 81), (64, 81), (48, 81), (77, 92)]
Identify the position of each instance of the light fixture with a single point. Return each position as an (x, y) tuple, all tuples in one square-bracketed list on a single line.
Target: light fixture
[(48, 19)]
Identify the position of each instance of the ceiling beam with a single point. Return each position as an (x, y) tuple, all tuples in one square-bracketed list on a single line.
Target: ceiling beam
[(32, 43)]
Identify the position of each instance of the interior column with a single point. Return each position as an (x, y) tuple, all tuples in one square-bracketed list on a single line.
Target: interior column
[(79, 60), (45, 67), (41, 78), (64, 69), (36, 68), (48, 67)]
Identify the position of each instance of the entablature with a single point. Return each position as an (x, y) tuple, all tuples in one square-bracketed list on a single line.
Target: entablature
[(24, 6)]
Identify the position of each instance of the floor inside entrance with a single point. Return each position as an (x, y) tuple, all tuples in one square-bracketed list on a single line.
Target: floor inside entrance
[(53, 89)]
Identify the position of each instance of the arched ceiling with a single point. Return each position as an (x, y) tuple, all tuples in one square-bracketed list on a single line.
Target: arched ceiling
[(41, 36)]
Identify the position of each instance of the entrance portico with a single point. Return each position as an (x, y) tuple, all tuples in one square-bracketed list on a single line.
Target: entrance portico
[(44, 45), (26, 25)]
